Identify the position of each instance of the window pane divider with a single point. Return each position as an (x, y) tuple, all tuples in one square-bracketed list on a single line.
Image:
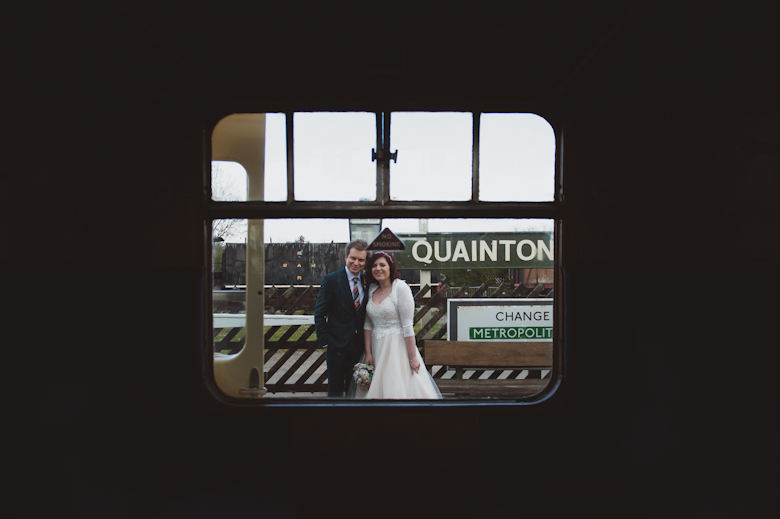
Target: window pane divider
[(392, 209), (475, 157), (290, 158)]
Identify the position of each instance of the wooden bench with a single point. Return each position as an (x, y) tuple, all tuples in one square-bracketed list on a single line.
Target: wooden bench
[(496, 356)]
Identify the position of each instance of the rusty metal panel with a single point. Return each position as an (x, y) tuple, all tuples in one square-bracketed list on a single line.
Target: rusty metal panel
[(234, 264), (301, 263)]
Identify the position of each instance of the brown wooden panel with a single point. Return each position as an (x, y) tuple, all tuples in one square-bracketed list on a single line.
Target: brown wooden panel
[(229, 335), (430, 304), (269, 294), (442, 331), (300, 344), (270, 351), (282, 300), (321, 384), (295, 388), (439, 372), (488, 354), (304, 338), (300, 301), (280, 362), (298, 363), (289, 333), (421, 293), (270, 333), (482, 387), (499, 291), (459, 293), (309, 372), (518, 291), (425, 329), (480, 290)]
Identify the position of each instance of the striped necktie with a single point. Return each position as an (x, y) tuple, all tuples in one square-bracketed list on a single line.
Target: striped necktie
[(356, 293)]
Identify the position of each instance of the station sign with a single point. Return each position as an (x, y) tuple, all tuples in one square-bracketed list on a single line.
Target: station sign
[(435, 251), (500, 320)]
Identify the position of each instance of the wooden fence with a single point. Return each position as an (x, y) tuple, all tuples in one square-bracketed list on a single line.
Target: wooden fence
[(295, 364)]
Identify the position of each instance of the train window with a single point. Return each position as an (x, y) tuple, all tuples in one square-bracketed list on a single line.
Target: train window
[(333, 156), (275, 172), (435, 150), (520, 147), (507, 261), (467, 260), (228, 181), (229, 176)]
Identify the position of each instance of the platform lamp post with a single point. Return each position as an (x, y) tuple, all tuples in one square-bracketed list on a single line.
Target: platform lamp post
[(425, 279)]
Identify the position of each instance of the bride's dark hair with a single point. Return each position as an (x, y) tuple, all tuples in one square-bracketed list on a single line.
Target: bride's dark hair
[(390, 262)]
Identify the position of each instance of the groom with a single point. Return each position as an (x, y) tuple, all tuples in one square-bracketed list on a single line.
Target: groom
[(338, 318)]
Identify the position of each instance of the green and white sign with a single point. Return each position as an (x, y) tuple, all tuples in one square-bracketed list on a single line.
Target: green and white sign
[(476, 250), (500, 320)]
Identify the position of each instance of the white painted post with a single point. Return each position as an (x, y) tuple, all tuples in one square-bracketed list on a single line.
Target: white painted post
[(425, 279)]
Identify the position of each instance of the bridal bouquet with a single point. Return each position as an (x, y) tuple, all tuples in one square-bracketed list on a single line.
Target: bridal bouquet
[(363, 373)]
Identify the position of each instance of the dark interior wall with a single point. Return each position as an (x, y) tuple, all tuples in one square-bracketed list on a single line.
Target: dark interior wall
[(671, 132)]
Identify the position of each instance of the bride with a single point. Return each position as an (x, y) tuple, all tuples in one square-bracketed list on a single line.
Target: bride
[(399, 372)]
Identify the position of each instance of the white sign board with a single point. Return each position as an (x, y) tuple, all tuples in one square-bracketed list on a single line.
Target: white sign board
[(500, 320)]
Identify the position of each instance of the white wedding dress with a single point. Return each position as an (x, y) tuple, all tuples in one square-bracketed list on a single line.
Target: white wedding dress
[(391, 321)]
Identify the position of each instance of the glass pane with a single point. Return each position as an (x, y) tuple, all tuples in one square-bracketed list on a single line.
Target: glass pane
[(228, 181), (333, 156), (275, 158), (249, 142), (516, 158), (507, 262), (434, 156), (229, 285)]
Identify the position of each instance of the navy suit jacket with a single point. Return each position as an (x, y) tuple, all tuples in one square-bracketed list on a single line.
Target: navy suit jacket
[(336, 320)]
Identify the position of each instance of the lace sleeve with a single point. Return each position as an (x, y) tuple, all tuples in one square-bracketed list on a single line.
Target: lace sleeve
[(405, 307)]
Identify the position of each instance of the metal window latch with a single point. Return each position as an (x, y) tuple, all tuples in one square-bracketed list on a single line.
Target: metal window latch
[(384, 155), (254, 390)]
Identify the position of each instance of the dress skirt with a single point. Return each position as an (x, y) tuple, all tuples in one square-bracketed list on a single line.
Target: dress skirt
[(393, 378)]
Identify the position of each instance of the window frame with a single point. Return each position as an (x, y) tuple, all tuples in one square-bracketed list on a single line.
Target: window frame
[(385, 208)]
